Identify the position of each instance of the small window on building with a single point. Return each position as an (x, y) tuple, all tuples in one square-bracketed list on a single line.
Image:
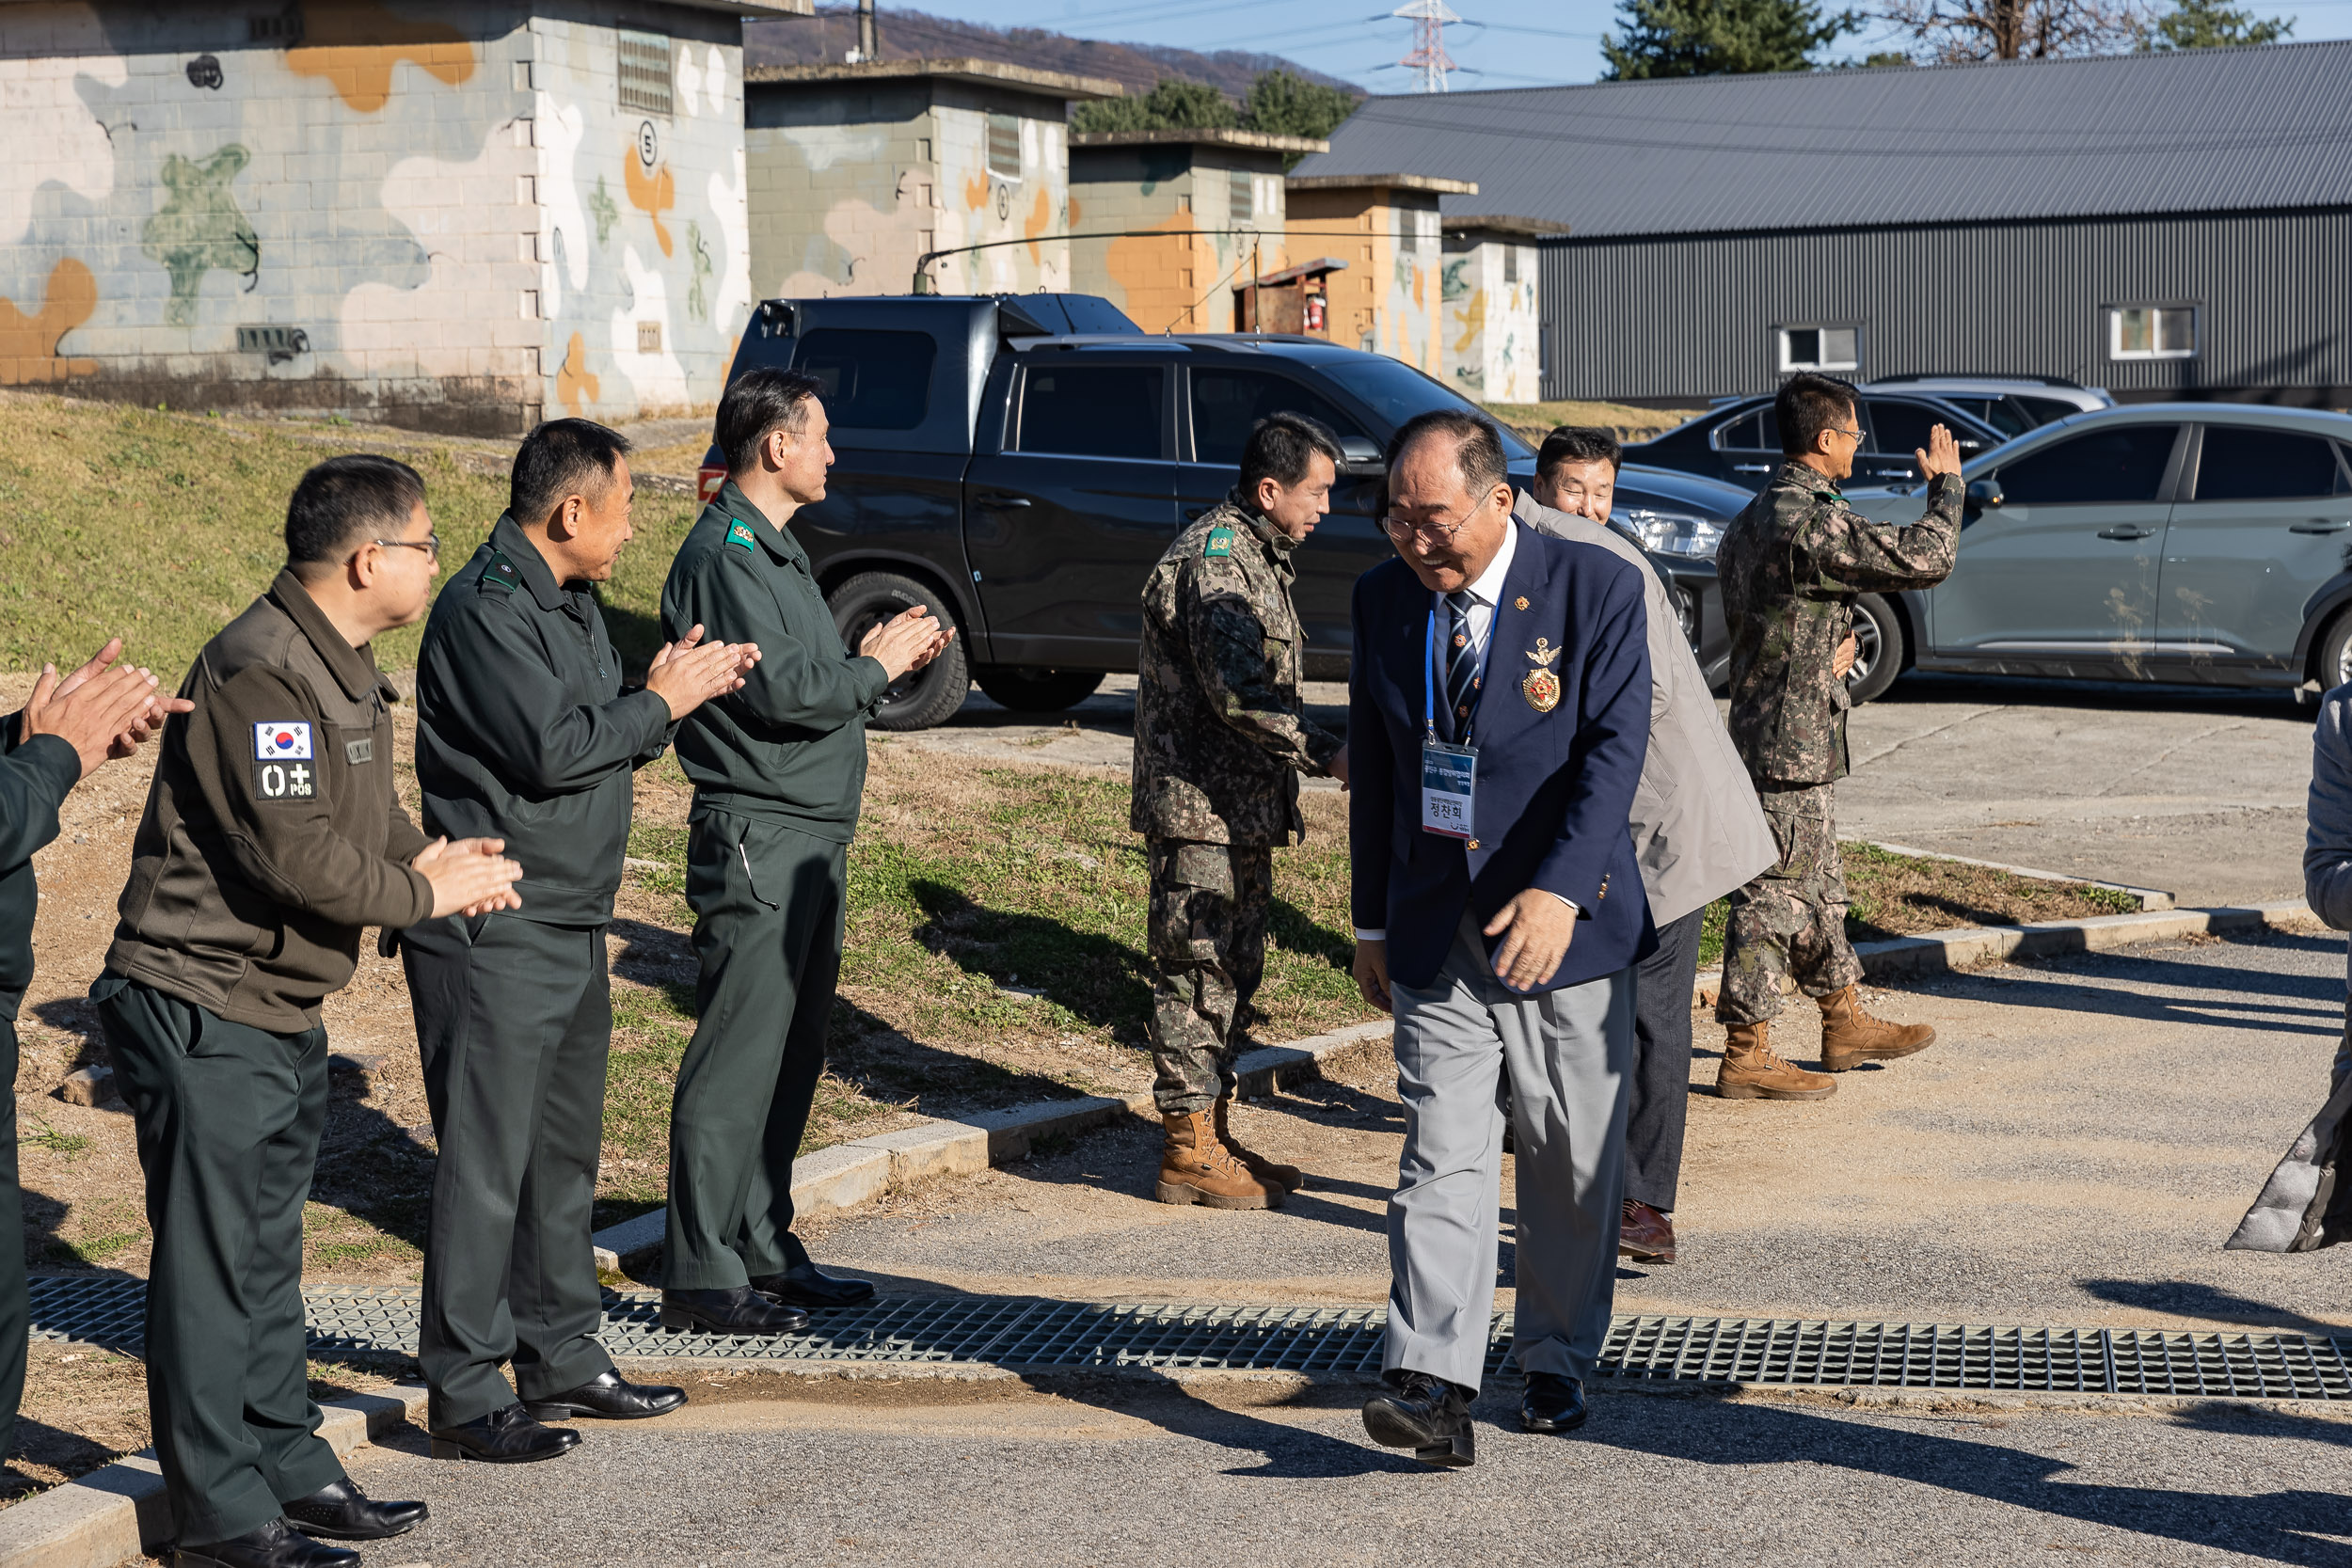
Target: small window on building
[(646, 74), (1004, 147), (1819, 348), (1510, 263), (1242, 201), (2151, 332)]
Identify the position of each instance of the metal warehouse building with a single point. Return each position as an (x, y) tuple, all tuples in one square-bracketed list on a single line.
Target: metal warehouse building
[(2163, 224)]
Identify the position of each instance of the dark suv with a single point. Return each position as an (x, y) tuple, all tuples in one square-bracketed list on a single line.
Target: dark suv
[(1019, 464)]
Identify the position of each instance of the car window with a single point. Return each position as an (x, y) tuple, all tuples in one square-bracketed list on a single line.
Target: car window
[(2048, 410), (870, 380), (1395, 392), (2245, 463), (1900, 427), (1093, 410), (2007, 416), (1757, 432), (1227, 403), (2120, 464)]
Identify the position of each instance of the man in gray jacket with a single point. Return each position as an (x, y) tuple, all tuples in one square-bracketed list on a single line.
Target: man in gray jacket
[(1697, 832)]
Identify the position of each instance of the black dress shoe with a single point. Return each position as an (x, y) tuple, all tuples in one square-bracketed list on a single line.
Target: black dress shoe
[(1551, 1403), (271, 1546), (1428, 1415), (611, 1397), (341, 1511), (805, 1286), (743, 1312), (508, 1435)]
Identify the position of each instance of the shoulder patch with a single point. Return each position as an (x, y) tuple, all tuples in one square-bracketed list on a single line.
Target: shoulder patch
[(1220, 544), (498, 572), (280, 739), (739, 533)]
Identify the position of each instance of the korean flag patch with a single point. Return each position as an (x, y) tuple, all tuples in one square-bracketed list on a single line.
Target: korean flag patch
[(282, 768)]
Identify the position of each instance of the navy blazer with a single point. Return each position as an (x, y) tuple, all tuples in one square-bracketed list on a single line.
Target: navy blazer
[(1554, 790)]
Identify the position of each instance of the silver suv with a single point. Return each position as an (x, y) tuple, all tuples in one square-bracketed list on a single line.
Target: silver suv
[(2011, 405)]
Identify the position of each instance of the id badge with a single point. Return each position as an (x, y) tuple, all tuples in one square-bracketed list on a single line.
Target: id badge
[(1448, 779)]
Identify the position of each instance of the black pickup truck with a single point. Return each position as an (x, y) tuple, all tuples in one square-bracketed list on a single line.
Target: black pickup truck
[(1018, 463)]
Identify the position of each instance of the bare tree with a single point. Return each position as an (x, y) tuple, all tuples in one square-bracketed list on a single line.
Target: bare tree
[(1954, 31)]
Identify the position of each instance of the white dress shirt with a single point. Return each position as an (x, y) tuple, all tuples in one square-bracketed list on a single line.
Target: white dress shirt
[(1486, 597)]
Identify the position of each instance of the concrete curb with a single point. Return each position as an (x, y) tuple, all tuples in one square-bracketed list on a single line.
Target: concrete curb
[(119, 1512), (853, 1173)]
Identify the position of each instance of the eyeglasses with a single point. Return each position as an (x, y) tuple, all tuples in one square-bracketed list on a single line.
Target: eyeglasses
[(430, 544), (1841, 430), (1437, 533)]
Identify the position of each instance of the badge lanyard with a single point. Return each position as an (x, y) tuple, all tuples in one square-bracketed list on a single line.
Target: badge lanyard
[(1449, 774)]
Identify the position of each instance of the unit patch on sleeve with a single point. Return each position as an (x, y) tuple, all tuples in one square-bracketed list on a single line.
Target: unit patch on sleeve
[(283, 768), (498, 572), (1220, 544), (739, 533)]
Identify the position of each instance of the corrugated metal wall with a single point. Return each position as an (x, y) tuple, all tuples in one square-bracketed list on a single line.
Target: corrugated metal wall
[(1692, 318)]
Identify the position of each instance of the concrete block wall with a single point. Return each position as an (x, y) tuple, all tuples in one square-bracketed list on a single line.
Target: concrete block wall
[(1184, 281), (352, 220), (1390, 297), (1491, 323)]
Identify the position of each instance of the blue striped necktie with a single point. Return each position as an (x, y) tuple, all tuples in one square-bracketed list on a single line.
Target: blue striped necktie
[(1461, 667)]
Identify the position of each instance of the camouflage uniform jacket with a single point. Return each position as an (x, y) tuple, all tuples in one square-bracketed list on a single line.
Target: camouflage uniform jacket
[(1220, 733), (1792, 565)]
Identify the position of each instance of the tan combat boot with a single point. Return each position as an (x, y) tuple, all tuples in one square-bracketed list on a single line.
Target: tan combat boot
[(1750, 1072), (1272, 1173), (1196, 1168), (1850, 1037)]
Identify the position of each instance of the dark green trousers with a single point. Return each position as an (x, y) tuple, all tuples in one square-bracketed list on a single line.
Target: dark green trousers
[(16, 1312), (767, 903), (229, 1120), (513, 1022)]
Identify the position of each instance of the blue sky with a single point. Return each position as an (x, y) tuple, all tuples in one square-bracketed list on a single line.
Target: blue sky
[(1523, 41)]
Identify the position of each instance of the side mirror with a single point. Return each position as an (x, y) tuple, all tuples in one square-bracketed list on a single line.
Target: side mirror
[(1359, 452), (1985, 492)]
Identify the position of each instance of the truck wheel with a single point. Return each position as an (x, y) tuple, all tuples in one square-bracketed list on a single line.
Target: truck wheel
[(1879, 653), (921, 698), (2335, 653), (1024, 690)]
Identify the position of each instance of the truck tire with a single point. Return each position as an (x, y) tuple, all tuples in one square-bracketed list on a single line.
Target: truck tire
[(1879, 660), (1026, 689), (921, 698)]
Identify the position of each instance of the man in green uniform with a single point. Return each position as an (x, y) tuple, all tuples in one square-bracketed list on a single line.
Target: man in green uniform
[(1792, 565), (66, 729), (524, 734), (272, 835), (779, 768), (1222, 738)]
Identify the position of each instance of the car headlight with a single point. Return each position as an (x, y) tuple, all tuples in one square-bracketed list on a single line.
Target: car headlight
[(1676, 533)]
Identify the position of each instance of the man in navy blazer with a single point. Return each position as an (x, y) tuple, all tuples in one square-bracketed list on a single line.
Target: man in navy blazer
[(1498, 720)]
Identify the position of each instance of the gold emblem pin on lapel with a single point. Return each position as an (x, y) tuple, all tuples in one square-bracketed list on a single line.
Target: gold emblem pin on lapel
[(1541, 687), (1519, 603)]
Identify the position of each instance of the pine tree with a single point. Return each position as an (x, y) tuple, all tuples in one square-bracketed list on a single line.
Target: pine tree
[(1173, 104), (2212, 25), (1710, 37), (1283, 103)]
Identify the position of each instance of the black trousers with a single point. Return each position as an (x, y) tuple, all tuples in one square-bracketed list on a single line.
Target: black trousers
[(513, 1023), (768, 902), (16, 1312), (1660, 1098), (228, 1118)]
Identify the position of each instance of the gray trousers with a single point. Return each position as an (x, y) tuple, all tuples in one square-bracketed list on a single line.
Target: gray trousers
[(1567, 1052)]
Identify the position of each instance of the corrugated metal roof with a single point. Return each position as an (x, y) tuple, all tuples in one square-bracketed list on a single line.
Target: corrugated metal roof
[(2199, 130)]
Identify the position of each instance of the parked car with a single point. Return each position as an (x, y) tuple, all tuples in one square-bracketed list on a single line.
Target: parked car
[(1019, 464), (2200, 542), (1738, 441), (2011, 405)]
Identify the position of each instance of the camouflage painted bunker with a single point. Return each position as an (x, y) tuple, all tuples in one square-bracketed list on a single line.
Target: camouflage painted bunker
[(857, 170), (1492, 329), (1390, 300), (1218, 198), (453, 214)]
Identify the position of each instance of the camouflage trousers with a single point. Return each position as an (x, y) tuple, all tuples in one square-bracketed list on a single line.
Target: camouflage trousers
[(1208, 953), (1791, 920)]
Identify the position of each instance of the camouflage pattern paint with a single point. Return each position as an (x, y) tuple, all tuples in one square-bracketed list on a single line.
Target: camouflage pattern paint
[(432, 211), (1490, 337), (1390, 300)]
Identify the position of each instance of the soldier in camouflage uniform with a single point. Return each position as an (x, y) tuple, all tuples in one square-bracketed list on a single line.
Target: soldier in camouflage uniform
[(1220, 740), (1791, 566)]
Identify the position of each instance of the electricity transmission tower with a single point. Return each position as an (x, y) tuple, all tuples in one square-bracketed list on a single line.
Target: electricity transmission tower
[(1429, 61)]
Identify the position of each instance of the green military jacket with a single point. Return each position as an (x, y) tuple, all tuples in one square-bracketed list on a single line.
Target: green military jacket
[(1792, 565), (523, 732), (35, 777), (1221, 736), (790, 746), (273, 833)]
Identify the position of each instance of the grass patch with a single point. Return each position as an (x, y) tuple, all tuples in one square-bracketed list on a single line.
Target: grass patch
[(69, 1146), (1907, 895), (164, 526)]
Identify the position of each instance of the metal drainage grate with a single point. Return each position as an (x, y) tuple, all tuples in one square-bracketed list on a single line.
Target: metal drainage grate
[(1011, 1331)]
